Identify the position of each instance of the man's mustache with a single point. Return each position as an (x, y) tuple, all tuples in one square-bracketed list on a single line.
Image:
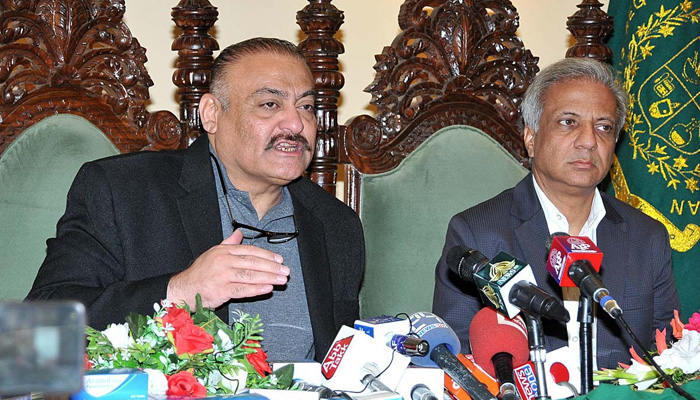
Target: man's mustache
[(290, 137)]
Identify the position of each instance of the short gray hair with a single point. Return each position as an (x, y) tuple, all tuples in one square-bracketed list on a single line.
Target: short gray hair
[(218, 85), (568, 69)]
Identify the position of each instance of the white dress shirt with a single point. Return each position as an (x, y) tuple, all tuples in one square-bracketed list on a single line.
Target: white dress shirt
[(557, 222)]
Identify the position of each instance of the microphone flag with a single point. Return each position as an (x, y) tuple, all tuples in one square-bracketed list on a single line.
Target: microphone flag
[(496, 281)]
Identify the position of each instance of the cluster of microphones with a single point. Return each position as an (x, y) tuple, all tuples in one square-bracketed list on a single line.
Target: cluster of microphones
[(419, 357)]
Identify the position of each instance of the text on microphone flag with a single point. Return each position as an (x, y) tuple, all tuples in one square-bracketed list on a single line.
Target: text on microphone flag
[(330, 364), (526, 381)]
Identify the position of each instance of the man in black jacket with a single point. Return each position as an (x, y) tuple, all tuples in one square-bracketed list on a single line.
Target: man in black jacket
[(229, 218)]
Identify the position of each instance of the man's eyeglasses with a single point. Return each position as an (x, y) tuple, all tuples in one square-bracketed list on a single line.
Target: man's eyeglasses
[(272, 237)]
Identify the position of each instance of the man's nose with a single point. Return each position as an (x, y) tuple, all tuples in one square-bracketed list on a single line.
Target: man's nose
[(586, 137), (292, 120)]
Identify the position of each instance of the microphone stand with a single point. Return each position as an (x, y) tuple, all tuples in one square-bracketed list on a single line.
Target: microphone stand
[(538, 353), (585, 319)]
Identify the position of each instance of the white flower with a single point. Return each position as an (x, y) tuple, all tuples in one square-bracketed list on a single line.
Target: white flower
[(157, 382), (233, 378), (118, 335), (684, 354), (156, 307), (226, 343), (646, 375)]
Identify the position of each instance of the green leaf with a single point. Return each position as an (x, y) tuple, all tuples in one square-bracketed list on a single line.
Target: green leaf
[(137, 323), (284, 375)]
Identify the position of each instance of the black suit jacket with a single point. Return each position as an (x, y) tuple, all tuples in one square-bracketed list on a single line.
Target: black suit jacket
[(133, 221), (636, 267)]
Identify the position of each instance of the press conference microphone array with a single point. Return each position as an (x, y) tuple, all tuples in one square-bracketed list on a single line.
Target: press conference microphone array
[(506, 283), (575, 261), (498, 343), (444, 344)]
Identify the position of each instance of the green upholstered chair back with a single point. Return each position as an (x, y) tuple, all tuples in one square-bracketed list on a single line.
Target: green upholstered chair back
[(405, 213), (36, 171)]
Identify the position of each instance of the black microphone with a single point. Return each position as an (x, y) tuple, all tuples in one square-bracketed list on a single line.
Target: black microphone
[(574, 261), (465, 262), (506, 284), (530, 298), (459, 373), (591, 284)]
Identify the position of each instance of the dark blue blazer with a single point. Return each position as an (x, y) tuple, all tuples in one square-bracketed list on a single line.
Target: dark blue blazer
[(132, 221), (636, 267)]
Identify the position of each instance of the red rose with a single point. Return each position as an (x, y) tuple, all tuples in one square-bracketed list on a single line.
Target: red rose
[(258, 360), (88, 364), (185, 384), (192, 339), (177, 318)]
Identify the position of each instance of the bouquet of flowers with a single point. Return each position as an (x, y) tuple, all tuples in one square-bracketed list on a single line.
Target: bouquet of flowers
[(680, 360), (187, 353)]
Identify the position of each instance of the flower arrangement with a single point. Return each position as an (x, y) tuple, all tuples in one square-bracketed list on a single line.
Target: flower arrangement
[(187, 353), (679, 360)]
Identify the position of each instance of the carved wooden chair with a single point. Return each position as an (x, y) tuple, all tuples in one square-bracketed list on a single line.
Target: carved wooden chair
[(445, 135), (73, 88)]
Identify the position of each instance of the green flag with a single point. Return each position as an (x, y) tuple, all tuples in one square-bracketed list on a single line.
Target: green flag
[(656, 49)]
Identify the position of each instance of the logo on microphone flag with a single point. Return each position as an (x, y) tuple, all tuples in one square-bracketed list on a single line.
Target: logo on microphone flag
[(496, 281), (556, 260), (526, 381), (564, 250), (330, 364)]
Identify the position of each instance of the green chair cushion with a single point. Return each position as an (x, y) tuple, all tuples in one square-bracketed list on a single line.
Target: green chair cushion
[(405, 213), (36, 171)]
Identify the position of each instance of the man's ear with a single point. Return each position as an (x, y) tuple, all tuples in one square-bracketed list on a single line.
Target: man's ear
[(529, 138), (208, 112)]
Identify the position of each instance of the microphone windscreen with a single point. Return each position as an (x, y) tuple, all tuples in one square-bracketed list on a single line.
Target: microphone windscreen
[(491, 332), (435, 331), (455, 255)]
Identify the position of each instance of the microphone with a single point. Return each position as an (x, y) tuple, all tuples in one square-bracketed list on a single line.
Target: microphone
[(575, 261), (497, 343), (322, 391), (506, 283), (444, 344), (395, 331), (370, 371), (422, 392), (532, 299), (346, 364), (409, 345), (465, 262)]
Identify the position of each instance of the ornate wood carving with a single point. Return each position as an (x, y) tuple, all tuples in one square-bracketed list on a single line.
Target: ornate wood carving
[(320, 21), (78, 57), (195, 49), (590, 26), (456, 62)]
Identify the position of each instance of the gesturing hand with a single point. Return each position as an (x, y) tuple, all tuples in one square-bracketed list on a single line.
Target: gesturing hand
[(229, 270)]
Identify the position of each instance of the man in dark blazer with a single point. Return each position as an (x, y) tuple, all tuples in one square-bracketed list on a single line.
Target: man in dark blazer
[(572, 112), (148, 226)]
